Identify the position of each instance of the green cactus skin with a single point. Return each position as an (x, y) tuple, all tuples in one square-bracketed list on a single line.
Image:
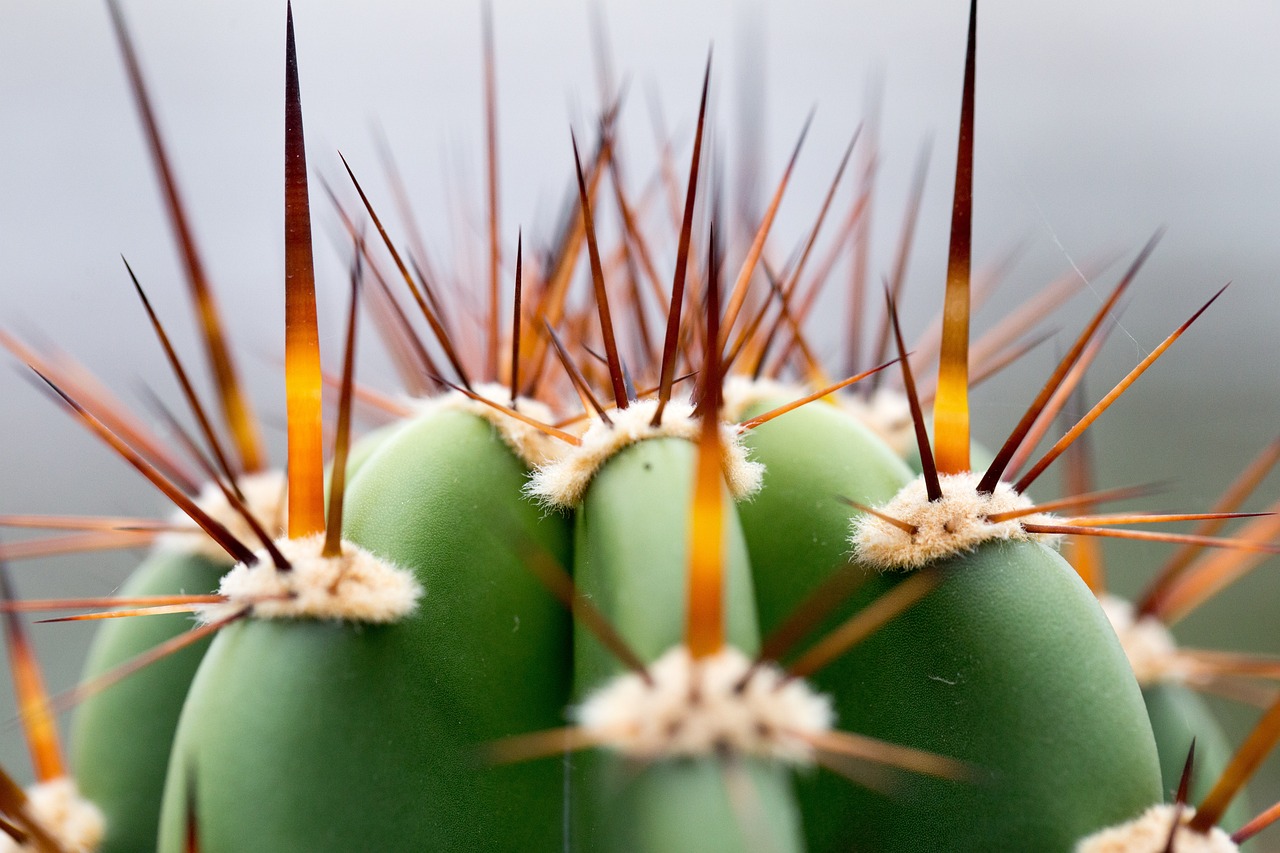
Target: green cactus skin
[(631, 543), (307, 735), (797, 534), (797, 528), (120, 738), (684, 806), (631, 537), (1011, 665), (1178, 714)]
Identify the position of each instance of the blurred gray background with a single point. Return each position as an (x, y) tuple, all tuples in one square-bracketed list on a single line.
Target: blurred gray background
[(1097, 123)]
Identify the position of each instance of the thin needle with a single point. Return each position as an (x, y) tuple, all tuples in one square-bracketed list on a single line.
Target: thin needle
[(1063, 443), (342, 441), (671, 344)]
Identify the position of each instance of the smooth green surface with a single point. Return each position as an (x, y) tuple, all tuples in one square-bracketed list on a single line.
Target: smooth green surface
[(631, 559), (631, 556), (696, 805), (797, 531), (1177, 715), (797, 528), (120, 738), (319, 736), (1011, 665)]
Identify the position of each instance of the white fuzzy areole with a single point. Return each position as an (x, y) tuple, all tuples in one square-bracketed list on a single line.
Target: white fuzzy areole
[(264, 495), (1150, 647), (1149, 833), (887, 413), (562, 482), (528, 442), (353, 587), (693, 708), (951, 525), (73, 821), (742, 394)]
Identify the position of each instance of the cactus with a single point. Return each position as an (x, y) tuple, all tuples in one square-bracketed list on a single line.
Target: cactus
[(397, 671)]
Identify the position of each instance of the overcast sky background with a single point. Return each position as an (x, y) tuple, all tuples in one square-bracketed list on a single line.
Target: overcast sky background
[(1097, 123)]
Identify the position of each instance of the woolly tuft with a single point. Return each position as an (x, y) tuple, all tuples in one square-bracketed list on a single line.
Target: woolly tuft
[(1149, 833), (951, 525), (73, 821), (354, 587), (563, 482), (694, 707), (264, 494)]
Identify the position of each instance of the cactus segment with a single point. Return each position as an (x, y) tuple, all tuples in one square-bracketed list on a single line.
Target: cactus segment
[(1000, 686), (797, 528), (692, 805), (377, 728), (311, 736), (987, 669), (631, 559), (120, 738), (1178, 715)]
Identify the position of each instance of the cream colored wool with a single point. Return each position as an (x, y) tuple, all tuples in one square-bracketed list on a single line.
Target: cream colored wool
[(73, 821), (562, 482), (264, 495), (354, 587), (694, 708), (1149, 833), (955, 523)]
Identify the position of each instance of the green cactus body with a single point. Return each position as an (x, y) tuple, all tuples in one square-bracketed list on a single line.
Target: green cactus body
[(797, 532), (375, 731), (631, 560), (120, 738), (685, 805), (1178, 715), (990, 668), (797, 528)]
